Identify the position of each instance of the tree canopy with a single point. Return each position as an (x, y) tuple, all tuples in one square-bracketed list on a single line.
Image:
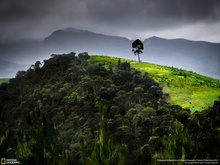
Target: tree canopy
[(138, 48)]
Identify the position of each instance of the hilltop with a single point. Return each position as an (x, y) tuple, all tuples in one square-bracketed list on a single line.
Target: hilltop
[(185, 88), (182, 87), (100, 110)]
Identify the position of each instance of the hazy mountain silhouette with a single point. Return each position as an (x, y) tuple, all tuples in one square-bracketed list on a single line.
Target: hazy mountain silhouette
[(81, 40), (198, 56), (9, 69)]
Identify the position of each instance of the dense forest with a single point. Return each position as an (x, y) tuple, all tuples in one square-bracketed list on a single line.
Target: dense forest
[(71, 110)]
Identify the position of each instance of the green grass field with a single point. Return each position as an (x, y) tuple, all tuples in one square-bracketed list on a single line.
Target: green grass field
[(186, 88), (2, 80)]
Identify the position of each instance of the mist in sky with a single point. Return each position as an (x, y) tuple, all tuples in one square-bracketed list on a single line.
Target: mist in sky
[(36, 19)]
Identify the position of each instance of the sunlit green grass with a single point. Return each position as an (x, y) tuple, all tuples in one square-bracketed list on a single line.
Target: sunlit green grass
[(194, 98), (193, 91), (186, 88)]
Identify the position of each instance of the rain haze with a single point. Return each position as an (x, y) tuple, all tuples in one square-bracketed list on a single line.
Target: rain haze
[(36, 19)]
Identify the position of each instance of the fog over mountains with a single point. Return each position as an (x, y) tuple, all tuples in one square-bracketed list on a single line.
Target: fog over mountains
[(197, 56)]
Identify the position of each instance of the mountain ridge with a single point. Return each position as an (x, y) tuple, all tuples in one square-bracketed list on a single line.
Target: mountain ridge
[(75, 30), (198, 56)]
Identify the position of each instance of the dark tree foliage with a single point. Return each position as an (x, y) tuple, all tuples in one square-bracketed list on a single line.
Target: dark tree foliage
[(138, 48)]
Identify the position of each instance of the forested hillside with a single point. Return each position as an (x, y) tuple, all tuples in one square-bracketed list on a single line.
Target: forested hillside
[(72, 110)]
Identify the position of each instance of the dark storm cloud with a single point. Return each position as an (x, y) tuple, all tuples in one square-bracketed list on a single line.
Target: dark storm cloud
[(35, 18), (154, 13), (19, 16), (13, 10)]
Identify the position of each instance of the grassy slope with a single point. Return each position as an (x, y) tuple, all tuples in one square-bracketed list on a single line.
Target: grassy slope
[(4, 80), (188, 89)]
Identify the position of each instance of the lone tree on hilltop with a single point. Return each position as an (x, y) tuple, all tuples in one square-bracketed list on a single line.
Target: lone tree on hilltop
[(137, 46)]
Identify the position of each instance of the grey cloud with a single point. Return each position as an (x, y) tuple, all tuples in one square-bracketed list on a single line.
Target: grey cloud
[(11, 10), (154, 12), (34, 18)]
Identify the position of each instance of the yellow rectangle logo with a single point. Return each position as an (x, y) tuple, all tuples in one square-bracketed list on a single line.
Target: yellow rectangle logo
[(3, 161)]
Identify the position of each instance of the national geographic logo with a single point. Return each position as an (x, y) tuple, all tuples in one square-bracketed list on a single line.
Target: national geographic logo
[(9, 161), (3, 161)]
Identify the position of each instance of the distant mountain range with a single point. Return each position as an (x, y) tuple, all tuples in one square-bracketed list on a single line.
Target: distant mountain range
[(197, 56), (9, 69)]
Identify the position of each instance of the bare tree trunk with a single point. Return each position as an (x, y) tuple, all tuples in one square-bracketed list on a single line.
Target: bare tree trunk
[(139, 60)]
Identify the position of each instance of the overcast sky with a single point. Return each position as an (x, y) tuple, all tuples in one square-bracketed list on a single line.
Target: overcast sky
[(190, 19)]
